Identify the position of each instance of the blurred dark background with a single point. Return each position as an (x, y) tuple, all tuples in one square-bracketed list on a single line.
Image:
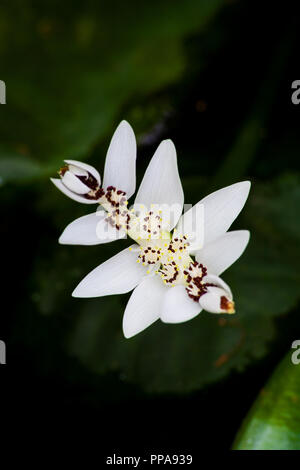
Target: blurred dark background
[(215, 77)]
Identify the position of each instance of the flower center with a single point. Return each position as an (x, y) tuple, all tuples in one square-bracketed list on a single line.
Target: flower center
[(177, 251), (149, 254), (119, 218), (150, 225), (169, 273), (178, 245), (113, 198), (194, 275), (115, 203)]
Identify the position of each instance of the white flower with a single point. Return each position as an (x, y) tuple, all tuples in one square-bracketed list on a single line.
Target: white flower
[(82, 183), (160, 256)]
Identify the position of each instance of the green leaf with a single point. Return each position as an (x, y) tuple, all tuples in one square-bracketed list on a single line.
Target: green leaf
[(15, 166), (86, 64), (273, 422), (250, 136)]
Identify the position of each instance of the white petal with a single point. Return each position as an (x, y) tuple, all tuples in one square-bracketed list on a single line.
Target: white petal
[(212, 300), (218, 255), (213, 279), (74, 184), (161, 184), (117, 275), (178, 307), (85, 167), (191, 224), (119, 169), (76, 197), (77, 171), (91, 229), (220, 209), (144, 306)]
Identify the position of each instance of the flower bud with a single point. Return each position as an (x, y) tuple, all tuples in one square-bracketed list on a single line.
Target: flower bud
[(81, 179)]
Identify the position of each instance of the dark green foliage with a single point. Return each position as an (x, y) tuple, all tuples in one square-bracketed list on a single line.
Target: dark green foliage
[(211, 77)]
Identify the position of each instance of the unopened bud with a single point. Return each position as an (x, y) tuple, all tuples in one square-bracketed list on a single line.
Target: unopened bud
[(81, 179)]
